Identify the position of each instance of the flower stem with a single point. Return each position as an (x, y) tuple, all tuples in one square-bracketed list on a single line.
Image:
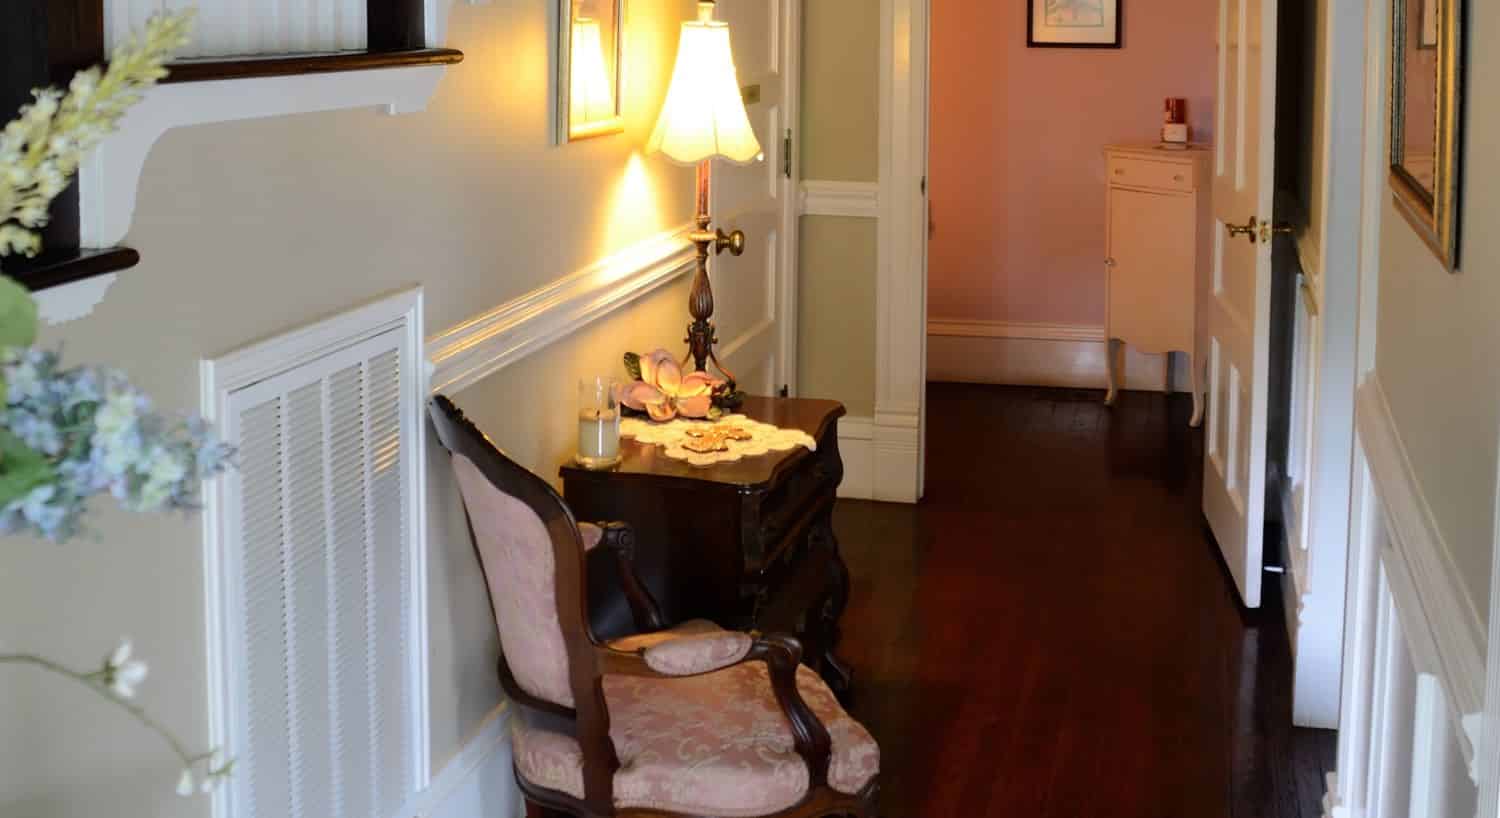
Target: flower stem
[(91, 681)]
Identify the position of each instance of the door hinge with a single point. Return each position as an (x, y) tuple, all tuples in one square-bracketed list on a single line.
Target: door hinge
[(786, 154), (924, 185)]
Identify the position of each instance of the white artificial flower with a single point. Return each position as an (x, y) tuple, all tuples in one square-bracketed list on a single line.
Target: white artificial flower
[(121, 654), (185, 783), (123, 672), (127, 677)]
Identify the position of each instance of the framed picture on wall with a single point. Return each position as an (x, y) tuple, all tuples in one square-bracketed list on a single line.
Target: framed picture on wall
[(1074, 23)]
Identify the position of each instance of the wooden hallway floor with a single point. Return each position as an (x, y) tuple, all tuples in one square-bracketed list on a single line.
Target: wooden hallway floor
[(1050, 633)]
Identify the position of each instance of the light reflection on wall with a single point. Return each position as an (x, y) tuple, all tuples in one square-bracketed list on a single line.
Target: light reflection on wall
[(634, 205)]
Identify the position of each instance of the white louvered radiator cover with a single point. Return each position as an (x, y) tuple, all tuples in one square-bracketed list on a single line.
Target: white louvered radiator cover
[(318, 616)]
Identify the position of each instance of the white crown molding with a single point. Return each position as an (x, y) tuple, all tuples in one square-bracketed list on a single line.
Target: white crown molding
[(110, 176), (1444, 630), (856, 199), (480, 346), (962, 328)]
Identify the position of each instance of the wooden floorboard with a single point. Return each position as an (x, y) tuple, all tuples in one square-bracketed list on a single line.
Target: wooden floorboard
[(1051, 633)]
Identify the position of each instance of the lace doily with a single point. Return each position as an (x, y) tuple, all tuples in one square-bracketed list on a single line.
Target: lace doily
[(676, 435)]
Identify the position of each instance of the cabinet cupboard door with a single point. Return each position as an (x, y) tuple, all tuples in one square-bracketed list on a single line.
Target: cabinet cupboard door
[(1151, 283)]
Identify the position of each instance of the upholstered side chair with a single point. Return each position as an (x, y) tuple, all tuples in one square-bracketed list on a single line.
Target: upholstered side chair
[(687, 720)]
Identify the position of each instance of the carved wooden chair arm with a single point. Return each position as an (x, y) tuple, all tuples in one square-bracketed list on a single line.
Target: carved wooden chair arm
[(782, 655), (619, 539)]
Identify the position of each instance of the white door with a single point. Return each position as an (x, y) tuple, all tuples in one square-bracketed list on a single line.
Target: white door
[(755, 294), (1234, 474)]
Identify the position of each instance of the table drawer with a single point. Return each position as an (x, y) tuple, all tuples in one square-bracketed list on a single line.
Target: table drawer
[(1152, 174)]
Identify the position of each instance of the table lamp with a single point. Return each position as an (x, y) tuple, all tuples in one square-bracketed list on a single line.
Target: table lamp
[(704, 119)]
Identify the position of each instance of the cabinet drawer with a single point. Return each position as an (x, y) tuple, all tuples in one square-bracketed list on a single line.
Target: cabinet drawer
[(1146, 173)]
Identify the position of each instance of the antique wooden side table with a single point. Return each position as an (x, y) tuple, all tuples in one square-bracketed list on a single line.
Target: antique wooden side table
[(748, 544)]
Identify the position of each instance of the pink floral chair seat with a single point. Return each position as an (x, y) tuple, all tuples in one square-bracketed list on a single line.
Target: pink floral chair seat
[(711, 744)]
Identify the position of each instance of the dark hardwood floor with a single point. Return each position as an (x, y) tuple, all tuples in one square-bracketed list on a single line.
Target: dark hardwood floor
[(1051, 632)]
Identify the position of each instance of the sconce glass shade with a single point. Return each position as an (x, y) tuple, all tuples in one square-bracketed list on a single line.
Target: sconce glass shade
[(704, 116), (592, 99)]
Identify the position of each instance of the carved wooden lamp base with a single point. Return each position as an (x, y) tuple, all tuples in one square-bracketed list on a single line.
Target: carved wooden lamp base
[(701, 335)]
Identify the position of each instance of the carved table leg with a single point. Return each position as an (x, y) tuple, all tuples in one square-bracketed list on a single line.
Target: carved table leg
[(836, 672)]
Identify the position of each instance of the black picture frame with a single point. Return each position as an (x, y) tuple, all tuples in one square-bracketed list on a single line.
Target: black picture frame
[(1118, 42)]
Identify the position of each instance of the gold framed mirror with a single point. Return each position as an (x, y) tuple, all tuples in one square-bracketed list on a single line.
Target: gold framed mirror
[(590, 46), (1426, 103)]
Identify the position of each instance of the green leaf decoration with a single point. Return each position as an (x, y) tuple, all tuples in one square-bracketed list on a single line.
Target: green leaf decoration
[(22, 468), (18, 319), (633, 365)]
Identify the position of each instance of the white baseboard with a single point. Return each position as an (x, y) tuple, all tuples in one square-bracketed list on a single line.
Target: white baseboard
[(1026, 354), (897, 455), (477, 781), (857, 447)]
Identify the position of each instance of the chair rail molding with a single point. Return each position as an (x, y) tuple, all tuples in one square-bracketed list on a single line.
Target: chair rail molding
[(472, 350), (1449, 637), (109, 177), (855, 199)]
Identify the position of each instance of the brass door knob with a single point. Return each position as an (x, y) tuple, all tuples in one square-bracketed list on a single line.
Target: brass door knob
[(733, 242), (1249, 229)]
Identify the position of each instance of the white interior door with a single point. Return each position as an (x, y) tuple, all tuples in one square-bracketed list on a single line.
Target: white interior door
[(755, 294), (1234, 474)]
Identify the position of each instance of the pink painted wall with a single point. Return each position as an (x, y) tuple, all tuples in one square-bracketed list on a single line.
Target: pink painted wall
[(1017, 171)]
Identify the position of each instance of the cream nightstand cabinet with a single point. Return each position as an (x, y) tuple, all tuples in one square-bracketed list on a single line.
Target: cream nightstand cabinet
[(1157, 256)]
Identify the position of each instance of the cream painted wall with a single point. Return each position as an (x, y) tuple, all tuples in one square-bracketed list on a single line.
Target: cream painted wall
[(836, 311), (1437, 334), (249, 229), (840, 90), (840, 142)]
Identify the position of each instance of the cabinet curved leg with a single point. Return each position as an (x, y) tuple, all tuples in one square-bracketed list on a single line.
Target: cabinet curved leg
[(1112, 366), (835, 671), (1197, 371)]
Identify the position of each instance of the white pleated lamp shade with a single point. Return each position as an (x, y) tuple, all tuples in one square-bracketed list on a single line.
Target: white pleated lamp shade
[(704, 116), (592, 98)]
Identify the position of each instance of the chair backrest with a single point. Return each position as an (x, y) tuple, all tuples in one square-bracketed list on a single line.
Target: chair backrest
[(530, 552)]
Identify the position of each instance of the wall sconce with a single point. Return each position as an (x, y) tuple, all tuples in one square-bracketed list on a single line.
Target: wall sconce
[(590, 34), (704, 119)]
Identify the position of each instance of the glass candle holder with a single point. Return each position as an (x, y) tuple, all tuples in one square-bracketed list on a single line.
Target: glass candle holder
[(598, 423)]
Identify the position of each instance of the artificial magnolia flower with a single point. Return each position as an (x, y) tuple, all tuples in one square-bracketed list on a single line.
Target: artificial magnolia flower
[(663, 392)]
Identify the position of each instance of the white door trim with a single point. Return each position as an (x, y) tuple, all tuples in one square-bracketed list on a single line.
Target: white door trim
[(1328, 454), (901, 269), (791, 221)]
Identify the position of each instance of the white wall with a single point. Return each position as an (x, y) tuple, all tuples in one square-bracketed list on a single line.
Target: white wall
[(252, 228), (1437, 335)]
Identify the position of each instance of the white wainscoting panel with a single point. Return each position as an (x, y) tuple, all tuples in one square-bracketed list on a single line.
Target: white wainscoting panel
[(1035, 354), (857, 199), (478, 781), (483, 345), (1413, 669), (1455, 631)]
